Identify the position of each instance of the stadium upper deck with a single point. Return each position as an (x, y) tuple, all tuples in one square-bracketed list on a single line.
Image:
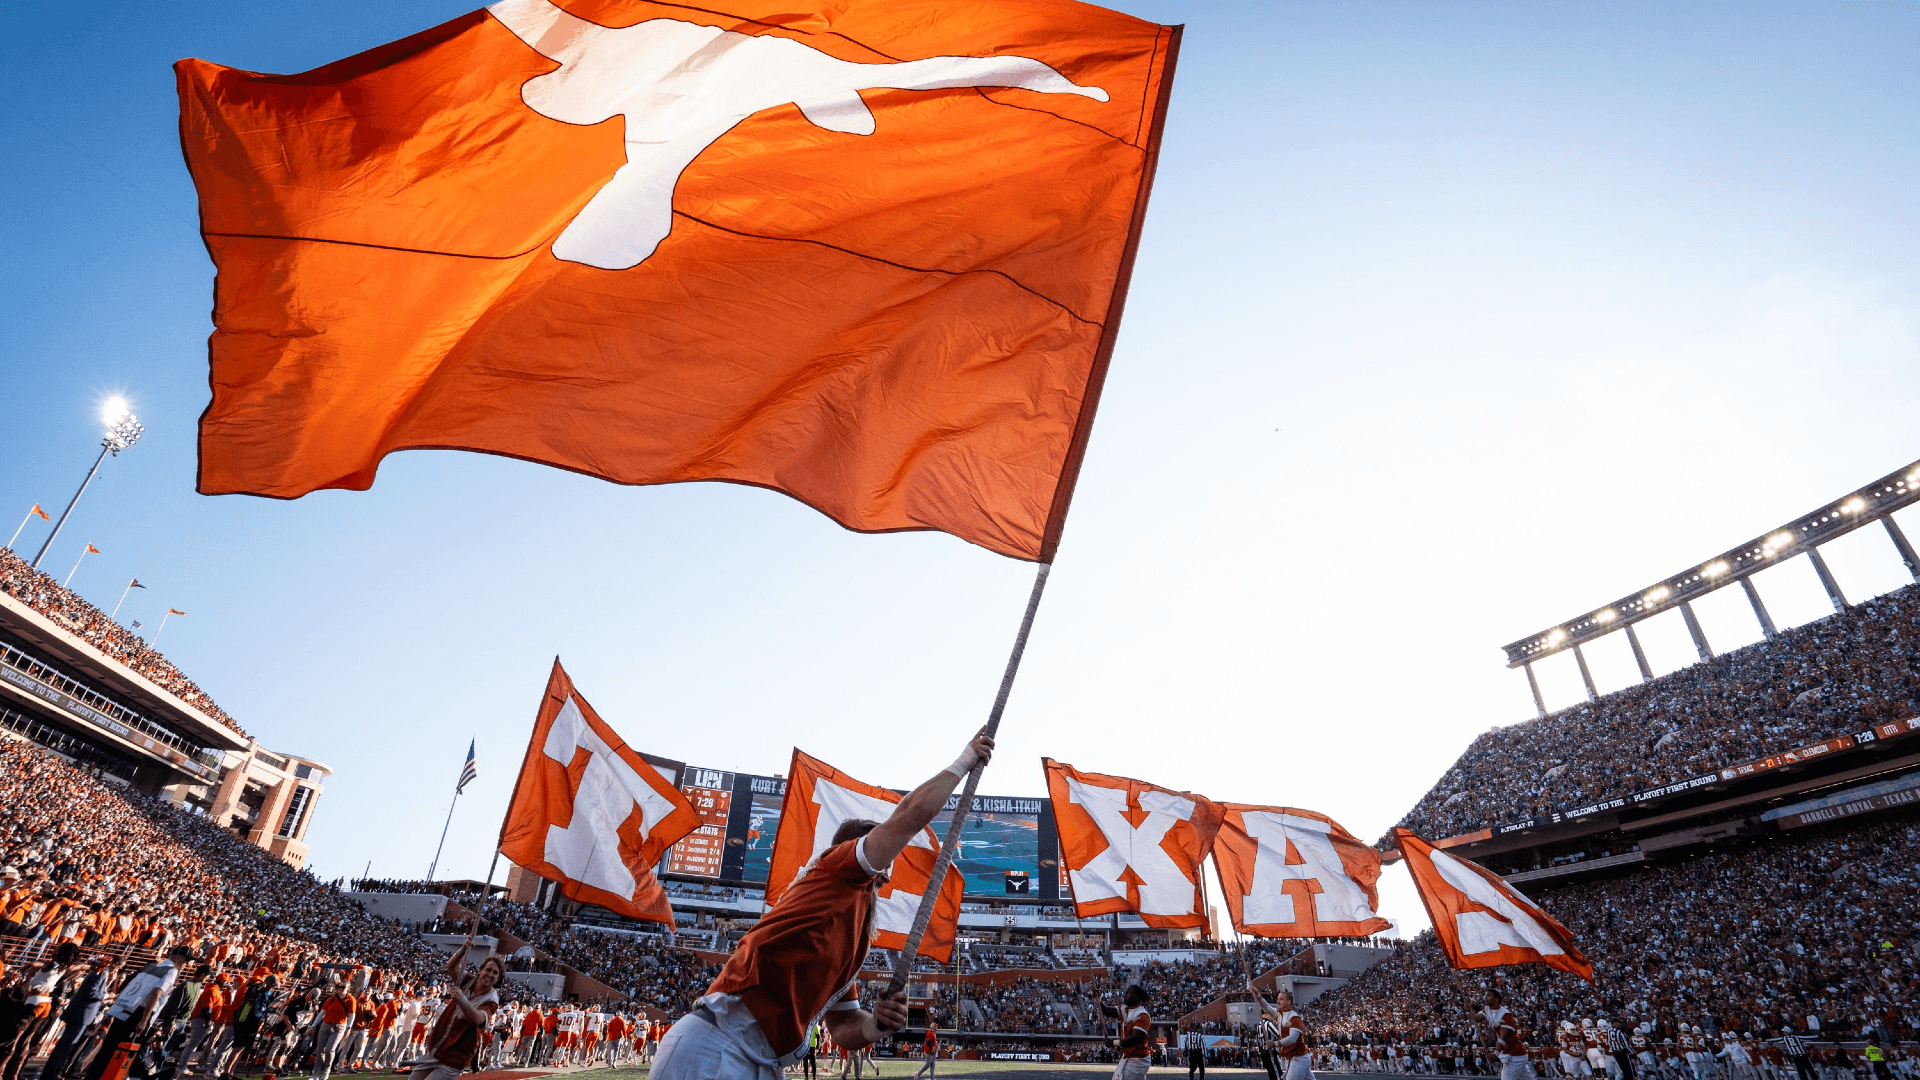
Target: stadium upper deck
[(1708, 750)]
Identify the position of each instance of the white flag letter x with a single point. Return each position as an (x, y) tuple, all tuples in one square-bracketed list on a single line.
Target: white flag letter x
[(1164, 888)]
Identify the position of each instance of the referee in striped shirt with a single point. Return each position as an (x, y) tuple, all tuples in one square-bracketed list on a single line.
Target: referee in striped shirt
[(1796, 1049)]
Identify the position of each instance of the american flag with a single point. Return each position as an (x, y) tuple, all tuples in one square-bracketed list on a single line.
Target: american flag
[(467, 771)]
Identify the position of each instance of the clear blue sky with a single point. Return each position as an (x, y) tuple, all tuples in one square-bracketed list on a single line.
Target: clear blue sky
[(1451, 320)]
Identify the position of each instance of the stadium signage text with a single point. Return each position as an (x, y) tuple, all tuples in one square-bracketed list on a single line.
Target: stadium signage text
[(99, 719), (1889, 730), (990, 804), (1849, 809), (1017, 1055)]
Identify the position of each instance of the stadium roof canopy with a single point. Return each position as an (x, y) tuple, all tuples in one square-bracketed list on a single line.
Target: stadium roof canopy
[(1875, 502)]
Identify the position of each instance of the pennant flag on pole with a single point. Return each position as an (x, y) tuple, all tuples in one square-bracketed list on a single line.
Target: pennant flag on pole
[(868, 253), (1132, 846), (42, 513), (175, 611), (589, 812), (135, 584), (91, 550), (819, 798), (1295, 873), (1481, 920), (468, 771)]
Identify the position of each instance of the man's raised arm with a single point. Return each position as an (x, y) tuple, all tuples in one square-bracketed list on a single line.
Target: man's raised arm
[(891, 837)]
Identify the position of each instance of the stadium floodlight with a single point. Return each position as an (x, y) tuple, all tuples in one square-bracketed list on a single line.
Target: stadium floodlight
[(122, 431), (1875, 502)]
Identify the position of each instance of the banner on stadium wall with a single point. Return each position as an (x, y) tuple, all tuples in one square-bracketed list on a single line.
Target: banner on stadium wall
[(1864, 799), (1892, 729)]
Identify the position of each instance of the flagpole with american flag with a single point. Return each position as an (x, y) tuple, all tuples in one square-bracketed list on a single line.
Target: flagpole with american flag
[(468, 771)]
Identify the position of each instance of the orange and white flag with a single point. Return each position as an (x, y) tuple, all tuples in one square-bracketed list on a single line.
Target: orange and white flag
[(1295, 873), (1131, 846), (1481, 920), (589, 812), (819, 799), (869, 253)]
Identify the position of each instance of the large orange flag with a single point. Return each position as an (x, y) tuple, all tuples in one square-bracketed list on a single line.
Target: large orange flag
[(1130, 845), (1294, 873), (870, 253), (819, 798), (1481, 920), (591, 813)]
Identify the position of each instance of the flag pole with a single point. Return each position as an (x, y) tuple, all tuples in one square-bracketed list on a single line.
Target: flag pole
[(23, 524), (903, 961), (443, 835), (115, 617)]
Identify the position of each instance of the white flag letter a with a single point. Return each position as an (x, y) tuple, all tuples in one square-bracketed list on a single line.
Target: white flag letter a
[(1164, 889), (1340, 898), (588, 849)]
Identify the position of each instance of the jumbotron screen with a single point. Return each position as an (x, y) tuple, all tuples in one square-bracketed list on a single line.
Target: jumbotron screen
[(1009, 842), (1000, 847)]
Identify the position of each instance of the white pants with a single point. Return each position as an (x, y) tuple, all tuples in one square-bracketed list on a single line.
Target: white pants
[(695, 1049), (1297, 1068), (1130, 1069), (1515, 1067)]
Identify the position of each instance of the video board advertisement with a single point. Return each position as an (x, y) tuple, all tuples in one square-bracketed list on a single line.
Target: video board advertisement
[(1000, 845), (1008, 849)]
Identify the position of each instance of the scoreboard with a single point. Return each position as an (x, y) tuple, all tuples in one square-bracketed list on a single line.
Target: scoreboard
[(703, 852), (1010, 846)]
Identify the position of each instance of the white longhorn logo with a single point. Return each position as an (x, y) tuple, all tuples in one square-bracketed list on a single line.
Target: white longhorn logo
[(680, 86), (588, 849)]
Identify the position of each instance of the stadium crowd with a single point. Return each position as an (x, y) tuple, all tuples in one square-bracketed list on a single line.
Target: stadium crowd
[(1817, 933), (88, 861), (49, 598), (1832, 677)]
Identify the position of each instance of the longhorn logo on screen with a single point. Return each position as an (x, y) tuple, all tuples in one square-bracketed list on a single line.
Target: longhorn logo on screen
[(680, 86), (610, 792)]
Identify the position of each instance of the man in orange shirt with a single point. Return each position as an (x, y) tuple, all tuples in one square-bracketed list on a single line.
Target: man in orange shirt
[(336, 1017), (530, 1029), (1136, 1025), (201, 1021), (799, 963)]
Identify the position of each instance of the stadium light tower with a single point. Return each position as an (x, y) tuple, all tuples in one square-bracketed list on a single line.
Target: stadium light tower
[(122, 431)]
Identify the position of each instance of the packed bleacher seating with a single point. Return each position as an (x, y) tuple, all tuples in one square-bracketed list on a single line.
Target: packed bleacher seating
[(644, 967), (68, 609), (1818, 931), (1830, 677), (1024, 1006), (92, 862)]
